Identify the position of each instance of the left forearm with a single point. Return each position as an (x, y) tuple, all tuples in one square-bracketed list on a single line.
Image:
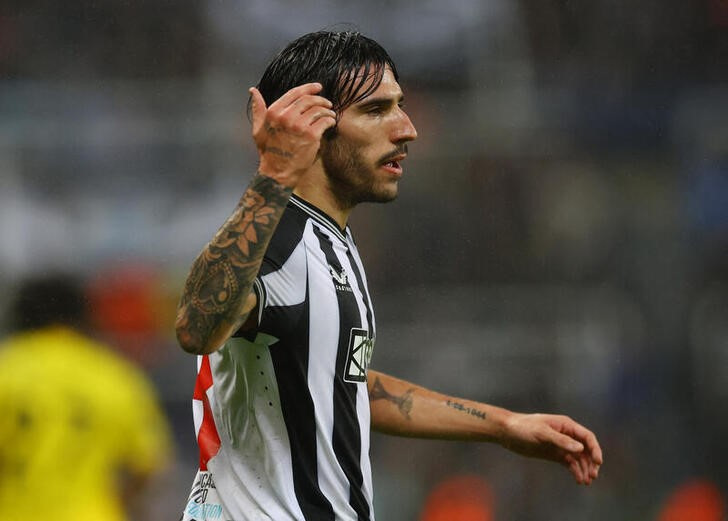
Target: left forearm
[(405, 409), (402, 408)]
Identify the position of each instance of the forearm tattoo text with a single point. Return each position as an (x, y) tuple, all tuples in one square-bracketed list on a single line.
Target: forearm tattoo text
[(467, 410)]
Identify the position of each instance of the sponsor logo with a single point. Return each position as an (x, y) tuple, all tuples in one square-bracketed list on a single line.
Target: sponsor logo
[(359, 356), (197, 506), (340, 279), (204, 511), (201, 488)]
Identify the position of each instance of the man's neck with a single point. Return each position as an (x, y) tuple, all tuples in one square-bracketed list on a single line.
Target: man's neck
[(315, 190)]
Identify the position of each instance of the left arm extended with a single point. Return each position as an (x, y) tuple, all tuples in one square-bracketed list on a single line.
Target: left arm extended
[(405, 409)]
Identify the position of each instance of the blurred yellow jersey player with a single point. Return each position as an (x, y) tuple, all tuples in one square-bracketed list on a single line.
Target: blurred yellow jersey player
[(80, 428)]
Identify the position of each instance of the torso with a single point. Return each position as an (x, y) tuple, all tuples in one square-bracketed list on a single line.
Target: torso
[(290, 436)]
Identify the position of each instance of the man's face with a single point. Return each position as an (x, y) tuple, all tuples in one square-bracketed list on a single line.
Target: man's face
[(363, 160)]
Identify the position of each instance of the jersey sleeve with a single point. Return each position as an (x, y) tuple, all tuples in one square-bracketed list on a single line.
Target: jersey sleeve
[(282, 278)]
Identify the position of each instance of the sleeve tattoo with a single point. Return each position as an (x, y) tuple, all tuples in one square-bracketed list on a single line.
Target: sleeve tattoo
[(403, 403), (223, 273)]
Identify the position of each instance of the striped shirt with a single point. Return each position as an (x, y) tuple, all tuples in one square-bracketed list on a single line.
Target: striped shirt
[(282, 413)]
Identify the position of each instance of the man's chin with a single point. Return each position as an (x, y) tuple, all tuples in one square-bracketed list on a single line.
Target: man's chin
[(382, 197)]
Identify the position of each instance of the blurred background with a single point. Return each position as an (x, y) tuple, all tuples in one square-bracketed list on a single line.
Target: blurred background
[(560, 243)]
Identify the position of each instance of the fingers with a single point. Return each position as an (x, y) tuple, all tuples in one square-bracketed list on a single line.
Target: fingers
[(594, 449), (590, 469), (298, 106), (288, 132), (310, 110), (314, 112), (583, 454), (565, 442), (292, 95), (304, 103), (587, 438), (583, 467), (594, 470), (574, 467), (557, 438), (322, 123), (583, 471)]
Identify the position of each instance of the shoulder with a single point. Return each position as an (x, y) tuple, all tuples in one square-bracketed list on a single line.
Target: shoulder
[(288, 235)]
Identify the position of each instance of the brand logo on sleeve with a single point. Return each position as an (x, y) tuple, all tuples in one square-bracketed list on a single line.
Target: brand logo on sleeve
[(359, 355)]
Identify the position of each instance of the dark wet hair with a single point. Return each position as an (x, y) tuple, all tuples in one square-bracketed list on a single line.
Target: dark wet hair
[(341, 61), (48, 300)]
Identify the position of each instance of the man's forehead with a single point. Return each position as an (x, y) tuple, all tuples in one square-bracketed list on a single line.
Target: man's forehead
[(388, 87)]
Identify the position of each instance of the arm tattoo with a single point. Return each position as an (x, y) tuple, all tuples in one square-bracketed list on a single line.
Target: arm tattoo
[(403, 403), (223, 273), (467, 410)]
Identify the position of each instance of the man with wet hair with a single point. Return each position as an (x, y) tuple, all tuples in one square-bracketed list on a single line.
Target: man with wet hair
[(277, 308)]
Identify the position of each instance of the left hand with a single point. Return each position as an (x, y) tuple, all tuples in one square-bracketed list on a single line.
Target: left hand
[(555, 438)]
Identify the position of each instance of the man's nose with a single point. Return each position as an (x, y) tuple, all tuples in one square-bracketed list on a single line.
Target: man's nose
[(404, 130)]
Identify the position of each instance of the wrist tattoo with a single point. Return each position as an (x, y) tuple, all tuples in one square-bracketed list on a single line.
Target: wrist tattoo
[(223, 273), (467, 410), (403, 403)]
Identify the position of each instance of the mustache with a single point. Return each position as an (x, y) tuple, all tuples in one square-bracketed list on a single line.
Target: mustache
[(386, 158)]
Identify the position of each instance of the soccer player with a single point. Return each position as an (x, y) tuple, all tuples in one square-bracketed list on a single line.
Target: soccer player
[(81, 430), (277, 307)]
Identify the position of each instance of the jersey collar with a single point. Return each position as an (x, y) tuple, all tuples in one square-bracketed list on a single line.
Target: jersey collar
[(319, 216)]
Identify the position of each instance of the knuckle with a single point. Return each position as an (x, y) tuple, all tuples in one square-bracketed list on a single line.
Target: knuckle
[(274, 117), (298, 127), (285, 117)]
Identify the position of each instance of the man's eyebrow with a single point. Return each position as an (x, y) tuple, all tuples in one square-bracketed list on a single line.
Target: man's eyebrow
[(384, 100)]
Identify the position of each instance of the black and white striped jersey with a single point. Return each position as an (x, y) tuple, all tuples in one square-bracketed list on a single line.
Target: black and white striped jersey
[(282, 413)]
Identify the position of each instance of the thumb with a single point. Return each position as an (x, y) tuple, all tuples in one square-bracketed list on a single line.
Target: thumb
[(258, 108)]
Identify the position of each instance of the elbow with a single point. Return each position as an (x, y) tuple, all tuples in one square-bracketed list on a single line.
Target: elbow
[(197, 342), (187, 340), (199, 336), (188, 343)]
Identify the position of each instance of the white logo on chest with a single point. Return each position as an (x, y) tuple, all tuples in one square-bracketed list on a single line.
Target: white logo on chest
[(340, 278)]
